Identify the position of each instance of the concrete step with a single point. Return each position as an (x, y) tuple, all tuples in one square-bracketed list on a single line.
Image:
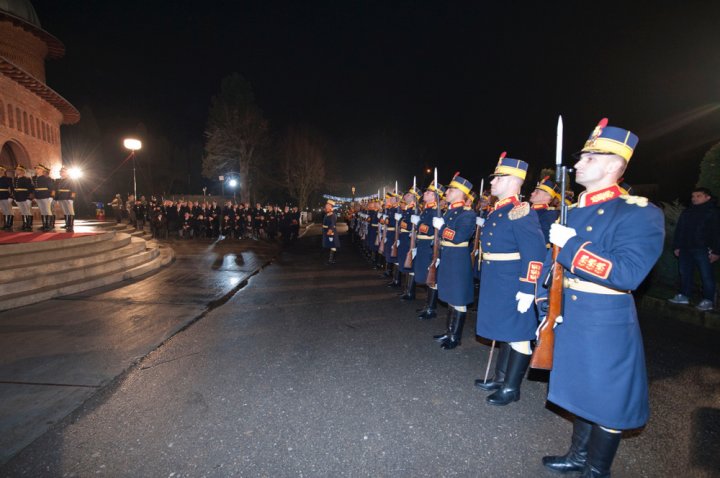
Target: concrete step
[(124, 246), (31, 258), (164, 257), (82, 274), (34, 247)]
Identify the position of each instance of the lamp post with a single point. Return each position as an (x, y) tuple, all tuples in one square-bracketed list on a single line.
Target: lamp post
[(133, 145), (353, 193), (233, 184)]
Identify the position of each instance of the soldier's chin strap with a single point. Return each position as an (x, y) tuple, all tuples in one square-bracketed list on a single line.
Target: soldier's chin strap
[(521, 347)]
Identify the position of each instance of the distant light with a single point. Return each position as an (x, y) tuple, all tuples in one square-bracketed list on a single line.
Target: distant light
[(132, 144), (233, 183), (75, 173)]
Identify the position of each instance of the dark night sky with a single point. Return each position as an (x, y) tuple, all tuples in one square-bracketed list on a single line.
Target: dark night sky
[(400, 85)]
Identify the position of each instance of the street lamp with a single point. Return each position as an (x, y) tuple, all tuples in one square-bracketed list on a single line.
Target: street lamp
[(75, 172), (133, 145)]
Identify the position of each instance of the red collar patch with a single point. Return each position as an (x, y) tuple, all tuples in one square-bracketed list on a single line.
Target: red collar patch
[(457, 204), (601, 196), (504, 202)]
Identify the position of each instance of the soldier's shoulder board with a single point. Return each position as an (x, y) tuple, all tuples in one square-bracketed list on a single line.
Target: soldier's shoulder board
[(519, 211), (639, 201)]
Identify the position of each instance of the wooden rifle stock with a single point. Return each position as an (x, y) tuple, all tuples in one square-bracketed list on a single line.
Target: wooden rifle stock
[(413, 234), (474, 255), (542, 357), (432, 270)]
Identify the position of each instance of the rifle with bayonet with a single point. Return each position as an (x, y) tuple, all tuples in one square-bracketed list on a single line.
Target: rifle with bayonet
[(413, 231), (542, 357), (475, 255), (431, 280), (394, 248)]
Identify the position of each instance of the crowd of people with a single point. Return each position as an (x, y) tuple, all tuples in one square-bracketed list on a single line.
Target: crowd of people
[(187, 219), (515, 251)]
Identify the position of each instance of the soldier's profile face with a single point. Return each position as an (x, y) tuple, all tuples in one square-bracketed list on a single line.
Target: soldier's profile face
[(453, 195), (591, 168), (539, 196)]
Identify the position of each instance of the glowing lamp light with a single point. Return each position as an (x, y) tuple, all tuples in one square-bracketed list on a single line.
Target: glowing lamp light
[(75, 173), (233, 183), (132, 144)]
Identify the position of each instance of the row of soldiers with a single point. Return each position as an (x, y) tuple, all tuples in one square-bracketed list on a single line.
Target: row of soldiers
[(606, 248), (41, 188), (209, 219)]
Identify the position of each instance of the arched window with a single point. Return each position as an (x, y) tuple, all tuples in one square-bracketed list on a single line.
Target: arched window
[(2, 113), (44, 131), (37, 128), (10, 116), (25, 123), (18, 119), (32, 126)]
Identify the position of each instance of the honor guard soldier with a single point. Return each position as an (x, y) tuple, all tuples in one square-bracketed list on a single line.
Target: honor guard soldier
[(330, 238), (454, 273), (392, 216), (371, 238), (44, 192), (65, 195), (512, 253), (22, 190), (410, 199), (424, 246), (610, 243), (543, 199), (6, 185)]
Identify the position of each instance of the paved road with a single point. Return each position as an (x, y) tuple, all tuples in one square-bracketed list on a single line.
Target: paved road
[(315, 370)]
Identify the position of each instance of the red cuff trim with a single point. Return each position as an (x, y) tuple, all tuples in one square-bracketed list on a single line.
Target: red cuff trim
[(533, 272)]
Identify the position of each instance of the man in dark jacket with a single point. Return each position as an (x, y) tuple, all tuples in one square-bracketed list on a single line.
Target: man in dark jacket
[(697, 242)]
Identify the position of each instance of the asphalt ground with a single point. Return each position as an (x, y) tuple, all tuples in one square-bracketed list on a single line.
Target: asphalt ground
[(317, 370)]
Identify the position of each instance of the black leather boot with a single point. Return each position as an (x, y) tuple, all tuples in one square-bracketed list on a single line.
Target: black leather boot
[(442, 337), (8, 223), (456, 329), (28, 222), (497, 381), (395, 276), (331, 257), (576, 457), (67, 222), (24, 223), (510, 390), (601, 452), (429, 311), (71, 224), (403, 282), (409, 288), (52, 221), (388, 268)]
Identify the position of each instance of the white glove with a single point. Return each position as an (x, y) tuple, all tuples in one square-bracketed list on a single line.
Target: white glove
[(558, 321), (414, 252), (415, 219), (438, 222), (524, 301), (397, 243), (330, 239), (398, 216), (559, 235), (479, 221)]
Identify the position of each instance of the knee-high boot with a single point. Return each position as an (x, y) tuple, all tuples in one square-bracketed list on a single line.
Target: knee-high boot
[(8, 222), (497, 381), (409, 288), (601, 452), (29, 223), (456, 330), (442, 337), (510, 390), (428, 312), (576, 457), (71, 224), (395, 276)]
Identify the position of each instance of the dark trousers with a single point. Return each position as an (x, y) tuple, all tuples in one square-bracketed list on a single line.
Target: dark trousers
[(689, 258)]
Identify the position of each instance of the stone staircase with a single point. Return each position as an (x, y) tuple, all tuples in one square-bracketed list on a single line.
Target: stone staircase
[(37, 271)]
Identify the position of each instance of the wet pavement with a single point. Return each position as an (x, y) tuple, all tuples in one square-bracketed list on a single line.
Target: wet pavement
[(317, 370), (56, 354)]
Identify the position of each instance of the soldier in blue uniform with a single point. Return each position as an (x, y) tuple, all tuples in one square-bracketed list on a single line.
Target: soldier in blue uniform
[(22, 189), (454, 273), (410, 202), (371, 237), (392, 214), (6, 185), (330, 238), (44, 192), (609, 245), (65, 195), (513, 250), (544, 199), (424, 246)]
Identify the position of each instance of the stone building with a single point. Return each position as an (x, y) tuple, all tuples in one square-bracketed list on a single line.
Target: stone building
[(30, 111)]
